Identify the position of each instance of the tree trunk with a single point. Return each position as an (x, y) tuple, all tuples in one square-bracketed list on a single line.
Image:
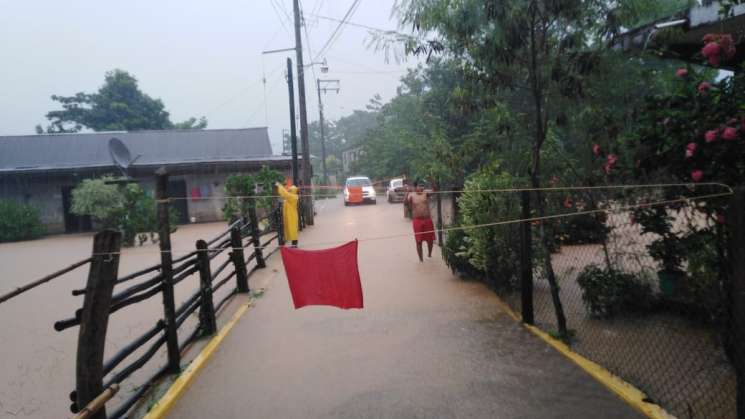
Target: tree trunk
[(540, 137)]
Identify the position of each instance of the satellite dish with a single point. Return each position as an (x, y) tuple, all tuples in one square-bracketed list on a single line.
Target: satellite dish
[(120, 153), (121, 156)]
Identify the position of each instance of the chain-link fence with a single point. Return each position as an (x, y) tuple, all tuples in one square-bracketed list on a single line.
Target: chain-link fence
[(634, 279)]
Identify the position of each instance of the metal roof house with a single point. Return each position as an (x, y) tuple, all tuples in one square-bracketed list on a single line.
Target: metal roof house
[(42, 170)]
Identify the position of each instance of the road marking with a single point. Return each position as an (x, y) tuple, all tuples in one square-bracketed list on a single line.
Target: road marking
[(623, 389), (184, 380)]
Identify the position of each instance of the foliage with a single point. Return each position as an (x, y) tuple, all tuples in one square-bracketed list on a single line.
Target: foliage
[(99, 198), (122, 206), (19, 221), (694, 133), (118, 105), (702, 292), (608, 293), (494, 251), (240, 188)]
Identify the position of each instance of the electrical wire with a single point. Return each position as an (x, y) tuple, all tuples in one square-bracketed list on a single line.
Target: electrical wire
[(337, 32), (348, 23), (276, 8)]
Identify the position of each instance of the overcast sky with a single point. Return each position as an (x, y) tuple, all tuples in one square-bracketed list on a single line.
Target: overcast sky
[(199, 57)]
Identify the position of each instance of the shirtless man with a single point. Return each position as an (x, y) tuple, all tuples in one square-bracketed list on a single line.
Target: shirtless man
[(424, 229)]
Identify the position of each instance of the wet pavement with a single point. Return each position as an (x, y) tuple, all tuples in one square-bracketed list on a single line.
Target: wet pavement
[(426, 345)]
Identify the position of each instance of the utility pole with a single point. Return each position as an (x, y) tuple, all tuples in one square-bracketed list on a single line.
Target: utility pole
[(320, 117), (293, 132), (308, 197)]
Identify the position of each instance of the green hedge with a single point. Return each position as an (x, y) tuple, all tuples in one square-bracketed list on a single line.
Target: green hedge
[(19, 222)]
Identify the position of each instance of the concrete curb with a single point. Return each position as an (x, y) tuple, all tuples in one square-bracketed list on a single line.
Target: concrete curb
[(184, 380), (624, 390)]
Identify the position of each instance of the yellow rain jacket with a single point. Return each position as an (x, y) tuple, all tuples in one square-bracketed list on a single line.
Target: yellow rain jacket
[(289, 211)]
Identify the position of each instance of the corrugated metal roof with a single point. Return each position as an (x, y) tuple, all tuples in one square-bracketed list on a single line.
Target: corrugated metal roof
[(30, 153)]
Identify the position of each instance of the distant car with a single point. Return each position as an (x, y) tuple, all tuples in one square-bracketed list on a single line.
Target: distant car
[(366, 186), (396, 191)]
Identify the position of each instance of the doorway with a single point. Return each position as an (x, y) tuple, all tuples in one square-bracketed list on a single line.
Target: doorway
[(177, 189), (73, 223)]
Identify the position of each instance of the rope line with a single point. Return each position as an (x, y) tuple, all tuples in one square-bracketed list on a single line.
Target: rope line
[(498, 190), (469, 227)]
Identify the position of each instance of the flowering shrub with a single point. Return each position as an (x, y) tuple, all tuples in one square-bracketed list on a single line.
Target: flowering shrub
[(718, 46)]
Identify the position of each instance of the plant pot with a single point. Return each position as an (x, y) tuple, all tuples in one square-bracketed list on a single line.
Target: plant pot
[(670, 282)]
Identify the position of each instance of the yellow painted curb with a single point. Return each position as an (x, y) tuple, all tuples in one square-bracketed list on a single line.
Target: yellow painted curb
[(626, 391), (184, 380)]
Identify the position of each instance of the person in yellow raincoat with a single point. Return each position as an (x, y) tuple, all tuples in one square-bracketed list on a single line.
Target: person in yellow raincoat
[(289, 211)]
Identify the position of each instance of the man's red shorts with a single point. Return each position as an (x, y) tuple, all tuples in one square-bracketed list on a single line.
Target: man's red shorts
[(424, 229)]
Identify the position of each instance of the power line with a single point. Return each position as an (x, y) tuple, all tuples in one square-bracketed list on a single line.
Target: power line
[(348, 23), (276, 7), (337, 31)]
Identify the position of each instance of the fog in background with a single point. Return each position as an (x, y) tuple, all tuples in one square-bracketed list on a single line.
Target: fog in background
[(200, 58)]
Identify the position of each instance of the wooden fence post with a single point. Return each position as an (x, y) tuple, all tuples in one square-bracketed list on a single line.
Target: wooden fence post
[(207, 308), (736, 224), (280, 226), (526, 261), (166, 260), (439, 217), (256, 235), (94, 319), (239, 261)]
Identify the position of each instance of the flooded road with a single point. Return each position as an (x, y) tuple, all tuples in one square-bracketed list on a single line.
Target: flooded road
[(37, 364), (426, 345)]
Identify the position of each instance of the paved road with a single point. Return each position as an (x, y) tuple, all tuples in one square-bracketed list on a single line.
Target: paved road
[(427, 345)]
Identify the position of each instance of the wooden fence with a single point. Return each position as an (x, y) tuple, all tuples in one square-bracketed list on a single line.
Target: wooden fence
[(98, 379)]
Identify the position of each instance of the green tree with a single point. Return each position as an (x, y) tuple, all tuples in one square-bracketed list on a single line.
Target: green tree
[(118, 105), (543, 49)]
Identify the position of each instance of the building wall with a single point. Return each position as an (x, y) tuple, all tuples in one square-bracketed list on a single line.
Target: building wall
[(45, 193)]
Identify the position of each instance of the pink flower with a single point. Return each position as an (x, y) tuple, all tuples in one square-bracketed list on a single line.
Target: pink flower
[(596, 149), (710, 37), (728, 45), (704, 87), (729, 133), (612, 159), (690, 150), (606, 168), (711, 135), (711, 48), (682, 72), (697, 175)]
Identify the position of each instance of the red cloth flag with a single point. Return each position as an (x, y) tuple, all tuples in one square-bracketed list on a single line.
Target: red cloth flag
[(328, 277)]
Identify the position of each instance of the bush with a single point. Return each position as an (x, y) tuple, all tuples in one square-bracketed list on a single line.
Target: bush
[(607, 293), (455, 254), (701, 292), (19, 222), (124, 207), (493, 251), (582, 229), (260, 183)]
